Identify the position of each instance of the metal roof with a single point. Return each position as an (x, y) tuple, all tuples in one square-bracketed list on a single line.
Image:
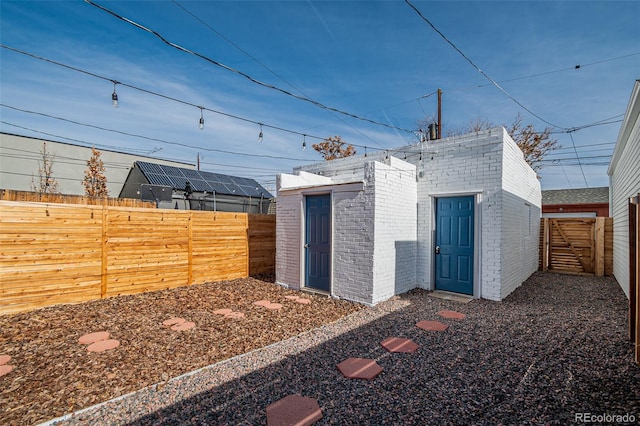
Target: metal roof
[(576, 196), (177, 178)]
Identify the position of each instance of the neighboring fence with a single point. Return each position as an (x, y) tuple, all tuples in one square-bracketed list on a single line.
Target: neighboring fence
[(577, 245), (11, 195), (262, 244), (55, 253)]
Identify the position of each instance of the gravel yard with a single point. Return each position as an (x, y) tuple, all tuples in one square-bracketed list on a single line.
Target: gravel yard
[(555, 348)]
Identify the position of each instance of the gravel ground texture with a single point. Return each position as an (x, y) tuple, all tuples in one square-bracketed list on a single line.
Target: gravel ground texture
[(54, 374), (555, 348)]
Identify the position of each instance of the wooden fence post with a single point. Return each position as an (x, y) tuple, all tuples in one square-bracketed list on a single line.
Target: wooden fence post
[(599, 251), (190, 253), (545, 244), (105, 239)]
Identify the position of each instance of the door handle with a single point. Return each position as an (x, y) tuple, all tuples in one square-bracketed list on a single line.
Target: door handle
[(437, 249), (306, 246)]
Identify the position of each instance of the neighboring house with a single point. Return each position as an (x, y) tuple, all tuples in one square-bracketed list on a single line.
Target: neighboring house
[(21, 158), (624, 184), (188, 189), (582, 202), (460, 214)]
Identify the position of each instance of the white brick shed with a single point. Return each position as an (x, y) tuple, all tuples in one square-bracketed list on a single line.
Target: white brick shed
[(459, 214)]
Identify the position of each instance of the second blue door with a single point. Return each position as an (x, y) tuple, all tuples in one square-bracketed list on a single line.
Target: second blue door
[(318, 242), (454, 244)]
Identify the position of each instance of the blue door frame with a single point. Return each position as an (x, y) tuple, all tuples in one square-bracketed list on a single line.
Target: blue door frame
[(317, 244), (454, 249)]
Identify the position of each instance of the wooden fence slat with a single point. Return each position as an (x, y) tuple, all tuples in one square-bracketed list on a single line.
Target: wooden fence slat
[(577, 245), (58, 253), (554, 222)]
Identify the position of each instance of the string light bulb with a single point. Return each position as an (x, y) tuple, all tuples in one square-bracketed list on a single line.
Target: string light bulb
[(201, 123), (304, 142), (114, 95), (260, 135)]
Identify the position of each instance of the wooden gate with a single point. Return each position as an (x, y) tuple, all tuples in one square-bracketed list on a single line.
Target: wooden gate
[(576, 245)]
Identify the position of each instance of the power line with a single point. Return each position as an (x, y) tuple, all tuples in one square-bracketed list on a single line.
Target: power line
[(243, 74), (572, 68), (85, 143), (578, 158), (155, 139), (484, 74), (171, 98), (256, 60)]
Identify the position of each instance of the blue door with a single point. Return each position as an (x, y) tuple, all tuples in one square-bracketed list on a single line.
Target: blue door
[(318, 242), (454, 244)]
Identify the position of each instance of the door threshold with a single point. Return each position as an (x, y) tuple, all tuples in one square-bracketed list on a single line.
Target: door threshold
[(315, 291), (449, 295)]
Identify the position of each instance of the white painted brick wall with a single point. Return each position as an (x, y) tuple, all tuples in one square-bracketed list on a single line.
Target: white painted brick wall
[(471, 164), (522, 200), (288, 239), (353, 245), (395, 228)]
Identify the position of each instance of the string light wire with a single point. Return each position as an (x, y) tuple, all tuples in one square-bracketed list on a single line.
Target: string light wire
[(241, 73), (155, 139), (170, 98)]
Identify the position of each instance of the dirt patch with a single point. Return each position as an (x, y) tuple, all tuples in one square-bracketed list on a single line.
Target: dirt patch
[(53, 374)]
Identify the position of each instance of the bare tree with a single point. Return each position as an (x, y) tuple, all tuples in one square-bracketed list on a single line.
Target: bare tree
[(535, 145), (334, 147), (45, 183), (95, 180)]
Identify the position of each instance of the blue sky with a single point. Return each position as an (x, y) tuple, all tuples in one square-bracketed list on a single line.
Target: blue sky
[(373, 59)]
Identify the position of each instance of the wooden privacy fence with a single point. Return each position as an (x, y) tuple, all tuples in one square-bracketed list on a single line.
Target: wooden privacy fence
[(56, 253), (577, 245), (12, 195)]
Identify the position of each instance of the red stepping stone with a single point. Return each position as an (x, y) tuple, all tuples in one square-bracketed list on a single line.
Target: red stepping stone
[(5, 369), (292, 297), (262, 303), (303, 301), (103, 345), (432, 325), (293, 410), (273, 306), (173, 321), (234, 315), (398, 344), (222, 311), (452, 314), (187, 325), (359, 368), (93, 337), (4, 359)]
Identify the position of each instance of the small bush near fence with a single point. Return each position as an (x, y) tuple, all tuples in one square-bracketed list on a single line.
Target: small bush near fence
[(57, 253)]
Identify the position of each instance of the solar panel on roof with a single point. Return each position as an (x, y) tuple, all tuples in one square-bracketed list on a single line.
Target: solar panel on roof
[(199, 185), (149, 167), (179, 182), (172, 171), (157, 179), (192, 174), (209, 177), (177, 178)]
